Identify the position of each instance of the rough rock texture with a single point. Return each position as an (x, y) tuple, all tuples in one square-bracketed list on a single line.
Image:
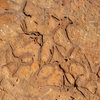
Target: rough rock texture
[(49, 49)]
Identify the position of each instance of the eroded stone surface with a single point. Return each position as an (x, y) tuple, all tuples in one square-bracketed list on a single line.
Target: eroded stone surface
[(49, 50)]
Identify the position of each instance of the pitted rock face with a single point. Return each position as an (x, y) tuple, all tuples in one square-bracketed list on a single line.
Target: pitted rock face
[(49, 50)]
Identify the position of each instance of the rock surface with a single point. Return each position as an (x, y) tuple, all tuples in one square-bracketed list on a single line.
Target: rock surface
[(49, 49)]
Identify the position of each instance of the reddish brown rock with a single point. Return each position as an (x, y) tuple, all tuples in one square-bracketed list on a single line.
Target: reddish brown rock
[(49, 50)]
